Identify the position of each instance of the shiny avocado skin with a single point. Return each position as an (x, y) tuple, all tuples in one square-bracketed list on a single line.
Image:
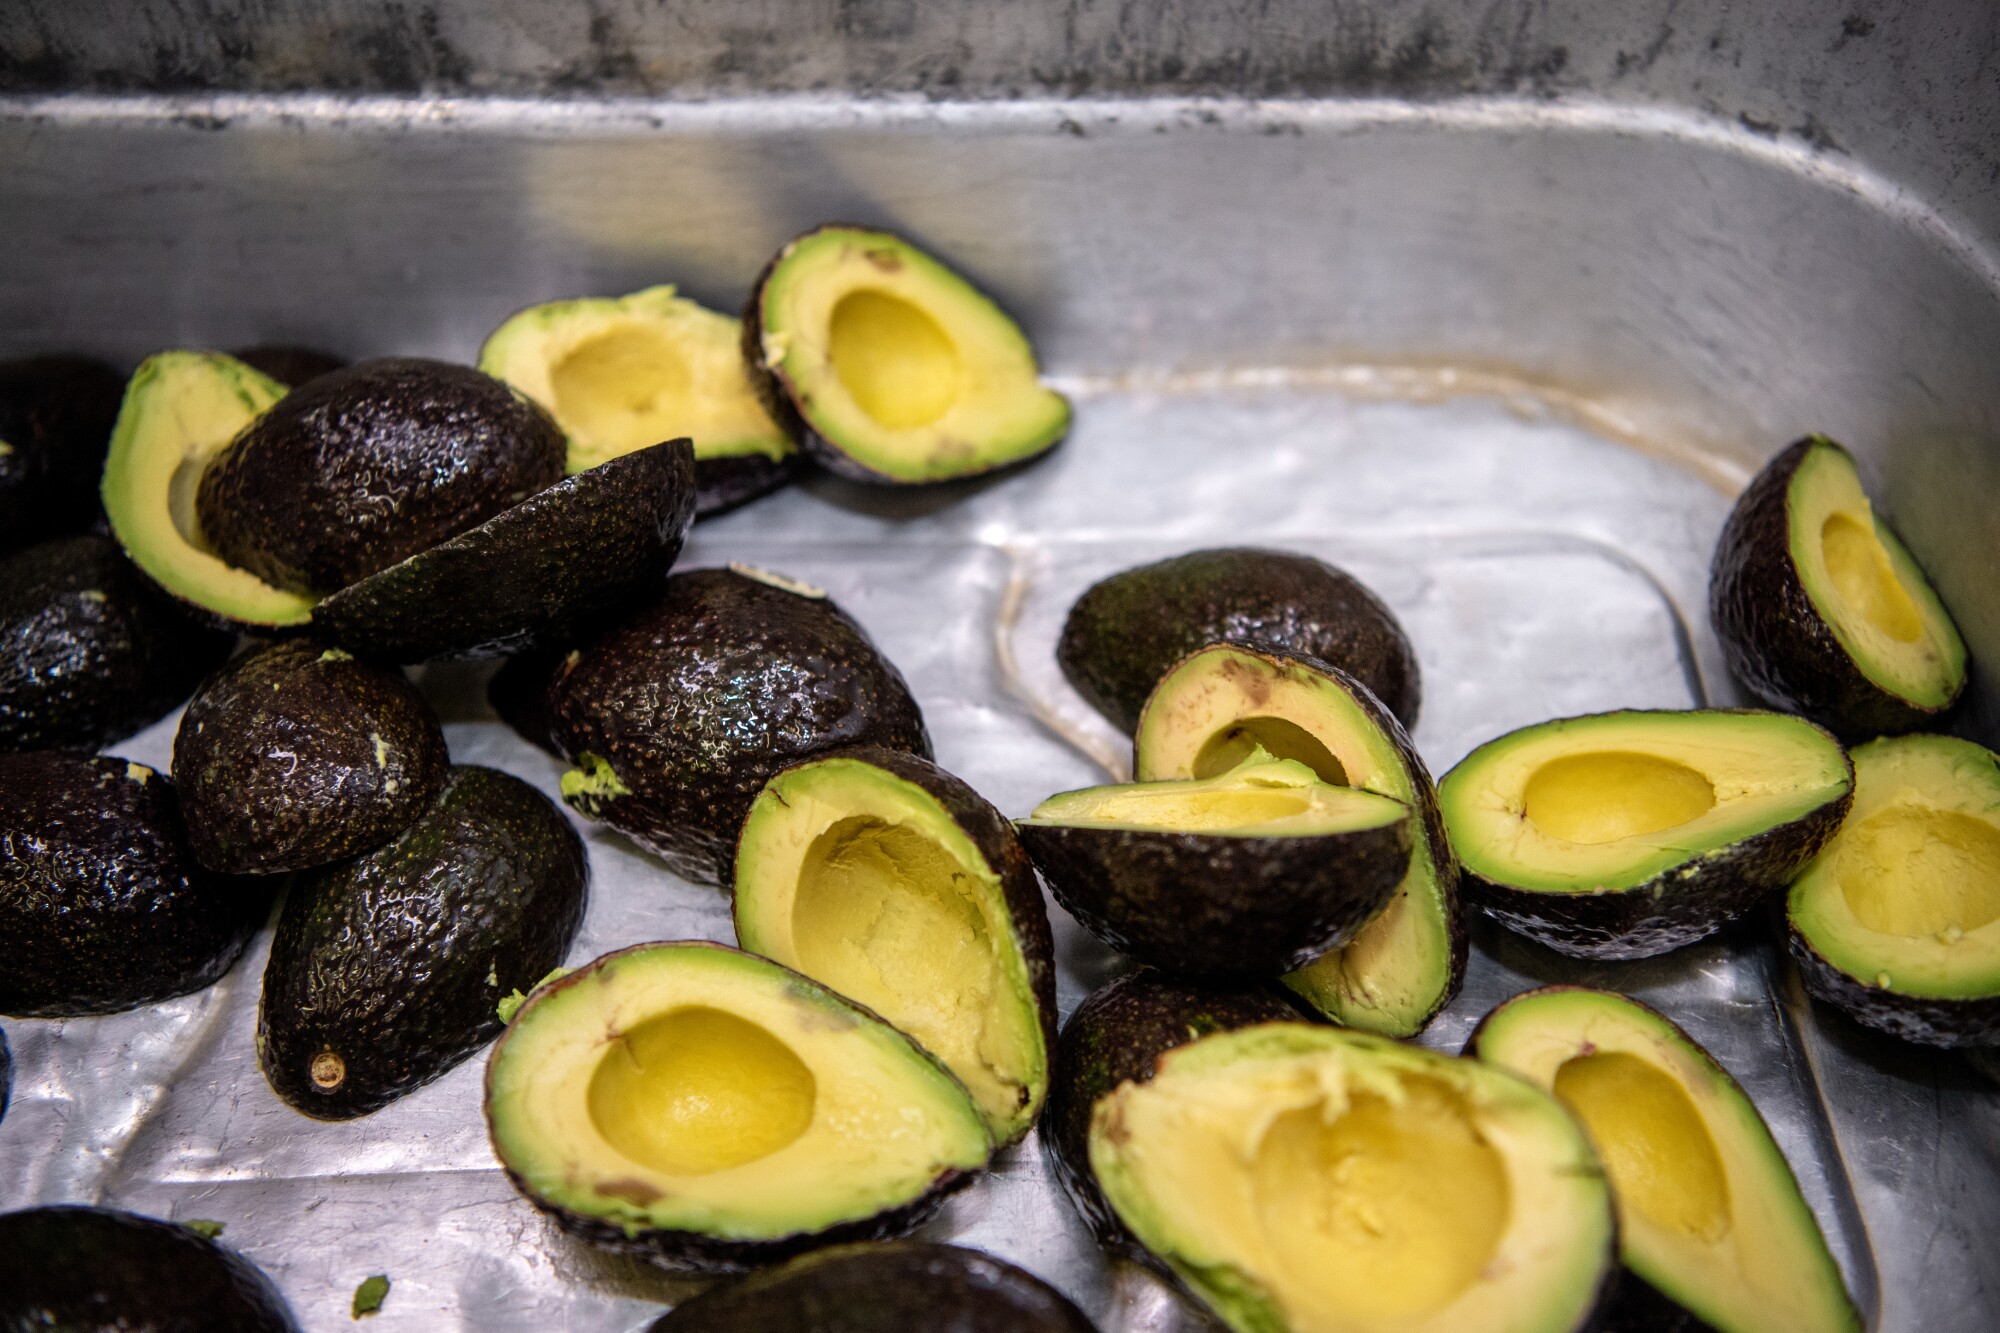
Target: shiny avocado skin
[(56, 414), (1928, 1022), (723, 484), (395, 960), (102, 909), (90, 649), (99, 1270)]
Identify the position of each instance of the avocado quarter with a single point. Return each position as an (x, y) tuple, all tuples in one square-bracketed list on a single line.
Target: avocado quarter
[(55, 425)]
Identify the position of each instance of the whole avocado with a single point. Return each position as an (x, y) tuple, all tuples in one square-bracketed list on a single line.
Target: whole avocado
[(55, 425)]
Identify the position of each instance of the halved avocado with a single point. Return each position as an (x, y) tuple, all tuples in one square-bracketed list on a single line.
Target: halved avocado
[(1238, 877), (709, 1110), (622, 373), (55, 423), (1301, 1178), (885, 878), (888, 367), (1709, 1214), (1898, 920), (1820, 609), (1409, 960), (1625, 835)]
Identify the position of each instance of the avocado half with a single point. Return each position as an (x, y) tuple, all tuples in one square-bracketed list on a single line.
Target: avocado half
[(888, 367), (1625, 835), (1406, 963), (1820, 609), (1710, 1217), (1898, 920), (55, 424), (886, 879), (710, 1110), (1238, 877), (1300, 1178), (622, 373)]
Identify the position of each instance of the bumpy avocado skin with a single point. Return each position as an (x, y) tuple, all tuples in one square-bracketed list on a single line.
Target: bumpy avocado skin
[(536, 574), (1129, 630), (100, 1270), (893, 1287), (692, 704), (369, 465), (723, 484), (101, 907), (297, 754), (289, 366), (394, 961), (55, 421), (90, 649), (1929, 1022)]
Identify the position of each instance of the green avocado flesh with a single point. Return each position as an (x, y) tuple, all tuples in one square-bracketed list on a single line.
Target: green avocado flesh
[(692, 1089), (1261, 797), (181, 409), (903, 369), (864, 881), (622, 373), (1303, 1179), (1708, 1211)]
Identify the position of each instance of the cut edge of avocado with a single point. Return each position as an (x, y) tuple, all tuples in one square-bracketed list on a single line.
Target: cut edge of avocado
[(1262, 796)]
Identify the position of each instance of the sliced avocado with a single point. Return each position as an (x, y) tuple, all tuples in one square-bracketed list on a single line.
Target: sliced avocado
[(1898, 920), (886, 366), (1625, 835), (55, 423), (180, 410), (1301, 1178), (289, 366), (885, 878), (676, 717), (297, 754), (1820, 609), (1709, 1214), (101, 907), (385, 969), (621, 373), (90, 649), (87, 1269), (1128, 631), (710, 1109), (1408, 962), (1238, 877)]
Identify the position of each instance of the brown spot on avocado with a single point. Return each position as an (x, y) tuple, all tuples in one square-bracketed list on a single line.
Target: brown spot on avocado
[(327, 1071), (631, 1191)]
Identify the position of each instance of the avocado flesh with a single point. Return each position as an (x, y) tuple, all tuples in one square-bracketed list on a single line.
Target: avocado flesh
[(1408, 961), (1709, 1214), (1302, 1179), (1260, 797), (890, 367), (862, 879)]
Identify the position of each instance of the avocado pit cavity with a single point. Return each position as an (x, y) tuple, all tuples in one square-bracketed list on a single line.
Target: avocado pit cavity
[(893, 359), (1279, 737), (623, 389), (1661, 1158), (1608, 795), (1914, 871), (1865, 580)]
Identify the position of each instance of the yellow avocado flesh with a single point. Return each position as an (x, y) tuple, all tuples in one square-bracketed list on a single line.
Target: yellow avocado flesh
[(1260, 797), (893, 359), (1662, 1162), (1608, 795)]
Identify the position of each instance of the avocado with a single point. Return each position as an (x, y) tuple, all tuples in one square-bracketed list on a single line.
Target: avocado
[(886, 879), (90, 649), (289, 366), (887, 1287), (622, 373), (1238, 877), (385, 969), (710, 1110), (1127, 631), (297, 754), (369, 465), (532, 575), (519, 694), (101, 907), (1898, 919), (55, 424), (1408, 962), (1820, 609), (72, 1269), (1710, 1217), (676, 717), (1306, 1178), (887, 367)]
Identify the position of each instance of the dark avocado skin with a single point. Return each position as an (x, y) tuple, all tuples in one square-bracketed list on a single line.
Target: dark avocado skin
[(1129, 630), (56, 414), (395, 960), (289, 366), (535, 574), (519, 694), (1774, 639), (369, 465), (1928, 1022), (90, 649), (722, 484), (277, 762), (70, 1269), (894, 1287), (101, 907), (701, 698)]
